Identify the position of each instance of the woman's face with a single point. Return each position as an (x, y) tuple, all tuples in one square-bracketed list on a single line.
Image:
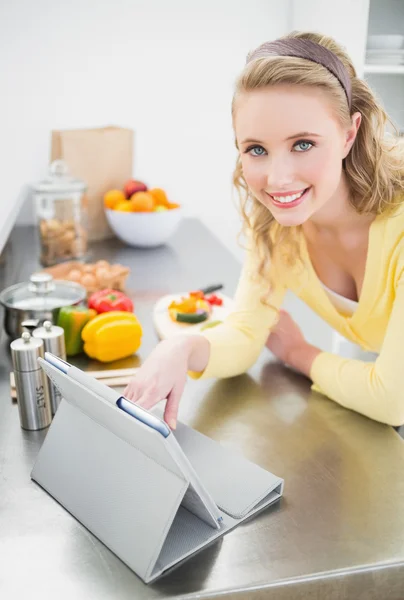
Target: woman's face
[(291, 148)]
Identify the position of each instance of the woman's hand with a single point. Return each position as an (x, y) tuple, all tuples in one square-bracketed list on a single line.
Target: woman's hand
[(287, 343), (164, 373)]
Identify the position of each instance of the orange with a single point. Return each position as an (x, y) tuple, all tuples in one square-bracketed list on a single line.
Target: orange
[(159, 196), (142, 202), (124, 206), (113, 197), (173, 205)]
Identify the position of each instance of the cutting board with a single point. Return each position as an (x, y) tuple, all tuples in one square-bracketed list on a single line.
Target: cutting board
[(166, 328), (109, 377)]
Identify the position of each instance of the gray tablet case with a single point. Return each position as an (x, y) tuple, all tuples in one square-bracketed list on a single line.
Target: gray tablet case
[(118, 478)]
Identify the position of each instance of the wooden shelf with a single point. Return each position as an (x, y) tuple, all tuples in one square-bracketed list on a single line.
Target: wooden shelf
[(384, 69)]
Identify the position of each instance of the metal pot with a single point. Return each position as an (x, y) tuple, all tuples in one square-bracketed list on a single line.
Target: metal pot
[(39, 300)]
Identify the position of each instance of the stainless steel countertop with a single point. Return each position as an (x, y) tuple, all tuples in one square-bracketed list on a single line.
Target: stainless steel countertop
[(337, 533)]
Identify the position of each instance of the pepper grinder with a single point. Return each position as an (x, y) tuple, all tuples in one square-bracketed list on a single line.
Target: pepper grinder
[(30, 382), (53, 338)]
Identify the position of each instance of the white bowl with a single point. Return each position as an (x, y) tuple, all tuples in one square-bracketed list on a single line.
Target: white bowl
[(385, 42), (144, 229)]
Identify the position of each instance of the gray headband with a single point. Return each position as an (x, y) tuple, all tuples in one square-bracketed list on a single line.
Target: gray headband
[(302, 48)]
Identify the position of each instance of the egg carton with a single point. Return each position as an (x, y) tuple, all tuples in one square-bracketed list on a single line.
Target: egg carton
[(92, 276)]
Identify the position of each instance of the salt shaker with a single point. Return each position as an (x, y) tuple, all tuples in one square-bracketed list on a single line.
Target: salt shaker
[(53, 338), (30, 382)]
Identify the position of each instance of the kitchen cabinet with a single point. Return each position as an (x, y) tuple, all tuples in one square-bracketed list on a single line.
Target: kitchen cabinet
[(352, 22), (386, 17)]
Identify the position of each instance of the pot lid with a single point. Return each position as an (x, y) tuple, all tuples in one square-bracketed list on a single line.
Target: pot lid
[(59, 180), (42, 293)]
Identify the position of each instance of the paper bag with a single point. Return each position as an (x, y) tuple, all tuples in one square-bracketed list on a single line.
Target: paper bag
[(103, 159)]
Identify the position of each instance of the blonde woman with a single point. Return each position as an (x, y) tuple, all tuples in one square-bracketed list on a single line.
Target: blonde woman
[(321, 186)]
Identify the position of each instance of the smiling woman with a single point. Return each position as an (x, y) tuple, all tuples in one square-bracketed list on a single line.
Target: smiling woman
[(321, 185), (301, 169)]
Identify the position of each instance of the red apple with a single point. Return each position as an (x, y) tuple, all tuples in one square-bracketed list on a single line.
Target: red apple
[(132, 186)]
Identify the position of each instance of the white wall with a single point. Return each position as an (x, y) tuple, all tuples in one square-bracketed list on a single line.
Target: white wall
[(164, 68), (345, 20)]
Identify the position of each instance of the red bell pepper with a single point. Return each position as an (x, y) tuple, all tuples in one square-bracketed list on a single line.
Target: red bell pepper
[(214, 300), (108, 299)]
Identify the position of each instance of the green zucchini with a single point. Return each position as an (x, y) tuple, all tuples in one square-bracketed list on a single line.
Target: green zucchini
[(191, 317)]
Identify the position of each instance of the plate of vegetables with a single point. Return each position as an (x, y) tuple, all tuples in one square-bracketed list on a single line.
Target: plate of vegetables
[(191, 312)]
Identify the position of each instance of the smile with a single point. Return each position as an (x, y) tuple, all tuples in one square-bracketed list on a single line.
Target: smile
[(290, 200)]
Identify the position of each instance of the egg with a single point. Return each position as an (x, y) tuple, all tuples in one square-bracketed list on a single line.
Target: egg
[(102, 274), (88, 280), (74, 275), (102, 264), (115, 269), (88, 269)]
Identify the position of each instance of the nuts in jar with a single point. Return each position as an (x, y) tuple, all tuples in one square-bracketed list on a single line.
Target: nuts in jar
[(61, 210), (61, 240)]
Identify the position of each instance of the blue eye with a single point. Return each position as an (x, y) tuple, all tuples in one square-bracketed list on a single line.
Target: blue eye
[(255, 148), (307, 145)]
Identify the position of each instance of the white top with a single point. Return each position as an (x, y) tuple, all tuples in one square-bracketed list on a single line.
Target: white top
[(346, 306), (342, 346)]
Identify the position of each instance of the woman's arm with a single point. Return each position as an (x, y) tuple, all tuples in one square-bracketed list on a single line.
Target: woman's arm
[(236, 343), (373, 389), (287, 343)]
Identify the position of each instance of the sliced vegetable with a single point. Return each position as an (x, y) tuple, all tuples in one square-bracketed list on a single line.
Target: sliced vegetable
[(214, 300), (197, 294), (73, 319), (210, 324), (184, 305), (189, 306), (108, 299), (197, 317), (112, 335)]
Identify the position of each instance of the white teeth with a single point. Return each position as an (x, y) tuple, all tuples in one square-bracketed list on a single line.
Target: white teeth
[(286, 199)]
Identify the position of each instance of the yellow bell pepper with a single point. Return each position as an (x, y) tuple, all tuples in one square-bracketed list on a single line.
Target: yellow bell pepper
[(112, 335)]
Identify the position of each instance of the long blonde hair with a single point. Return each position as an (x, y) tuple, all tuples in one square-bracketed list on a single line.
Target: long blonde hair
[(374, 167)]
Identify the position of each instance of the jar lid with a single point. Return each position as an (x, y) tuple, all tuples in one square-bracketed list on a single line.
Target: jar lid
[(42, 293), (25, 352), (59, 180)]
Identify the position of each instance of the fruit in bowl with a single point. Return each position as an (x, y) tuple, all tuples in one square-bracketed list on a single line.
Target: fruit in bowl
[(145, 218), (132, 186), (142, 202)]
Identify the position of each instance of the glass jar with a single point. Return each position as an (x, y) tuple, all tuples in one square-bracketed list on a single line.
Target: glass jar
[(60, 202)]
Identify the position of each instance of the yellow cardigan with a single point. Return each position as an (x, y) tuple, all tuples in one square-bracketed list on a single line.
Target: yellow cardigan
[(373, 389)]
